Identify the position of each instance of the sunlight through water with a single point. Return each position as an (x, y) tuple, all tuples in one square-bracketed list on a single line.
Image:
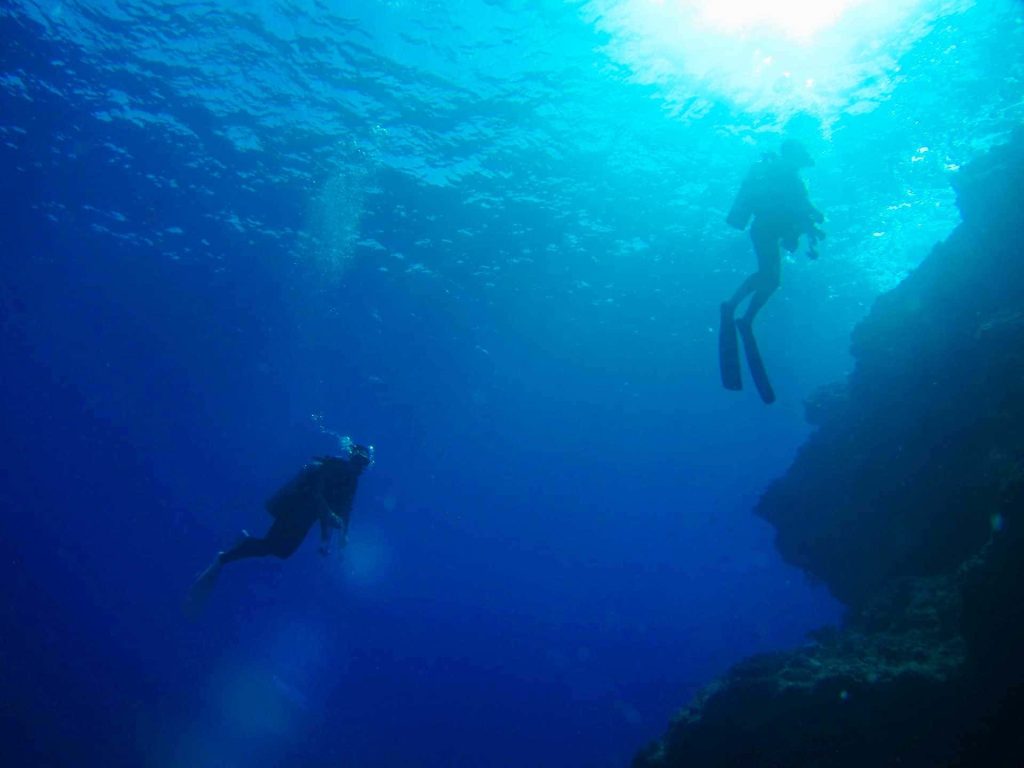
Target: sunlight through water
[(799, 19), (776, 58)]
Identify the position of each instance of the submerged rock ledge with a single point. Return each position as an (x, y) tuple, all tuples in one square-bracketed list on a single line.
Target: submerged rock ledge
[(907, 501)]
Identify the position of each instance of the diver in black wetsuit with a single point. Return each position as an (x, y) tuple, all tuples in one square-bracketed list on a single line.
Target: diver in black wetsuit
[(323, 491), (774, 195)]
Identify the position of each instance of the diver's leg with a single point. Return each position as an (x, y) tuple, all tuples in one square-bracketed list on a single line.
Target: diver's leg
[(728, 347), (249, 546), (759, 299), (283, 538), (207, 580), (754, 282), (766, 281), (747, 287), (769, 262)]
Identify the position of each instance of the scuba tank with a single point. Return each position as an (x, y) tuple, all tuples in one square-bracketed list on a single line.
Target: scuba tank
[(751, 190), (743, 206)]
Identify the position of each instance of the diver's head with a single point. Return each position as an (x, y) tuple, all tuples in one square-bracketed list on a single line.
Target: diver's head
[(361, 456), (352, 456), (795, 154)]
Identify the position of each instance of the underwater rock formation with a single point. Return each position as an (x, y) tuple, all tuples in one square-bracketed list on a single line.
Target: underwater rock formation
[(907, 502)]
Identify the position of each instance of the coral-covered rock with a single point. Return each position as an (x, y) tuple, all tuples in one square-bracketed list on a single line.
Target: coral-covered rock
[(858, 697)]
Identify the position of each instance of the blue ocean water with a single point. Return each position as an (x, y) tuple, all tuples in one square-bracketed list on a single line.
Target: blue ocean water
[(489, 238)]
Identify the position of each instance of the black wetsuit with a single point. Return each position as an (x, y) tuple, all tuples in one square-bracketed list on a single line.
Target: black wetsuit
[(775, 196), (320, 489)]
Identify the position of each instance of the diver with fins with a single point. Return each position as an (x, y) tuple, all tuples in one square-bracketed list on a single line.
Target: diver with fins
[(323, 491), (775, 197)]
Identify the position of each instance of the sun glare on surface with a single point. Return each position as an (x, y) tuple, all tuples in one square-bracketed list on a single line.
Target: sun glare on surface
[(779, 57), (798, 19)]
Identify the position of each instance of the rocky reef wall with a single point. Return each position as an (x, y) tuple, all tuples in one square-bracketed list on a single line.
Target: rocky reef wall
[(907, 501)]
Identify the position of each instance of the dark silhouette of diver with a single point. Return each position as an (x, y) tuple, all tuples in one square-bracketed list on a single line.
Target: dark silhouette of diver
[(774, 196), (322, 491)]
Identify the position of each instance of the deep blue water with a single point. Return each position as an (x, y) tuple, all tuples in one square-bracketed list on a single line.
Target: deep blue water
[(487, 238)]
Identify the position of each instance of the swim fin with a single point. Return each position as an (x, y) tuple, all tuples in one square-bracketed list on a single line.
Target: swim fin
[(754, 362), (728, 351)]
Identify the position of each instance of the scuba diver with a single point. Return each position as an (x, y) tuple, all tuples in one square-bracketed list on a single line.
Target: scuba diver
[(774, 195), (322, 491)]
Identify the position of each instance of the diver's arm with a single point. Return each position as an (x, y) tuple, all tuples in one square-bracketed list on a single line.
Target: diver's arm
[(323, 511), (814, 232), (328, 520), (328, 523), (810, 211), (811, 218)]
